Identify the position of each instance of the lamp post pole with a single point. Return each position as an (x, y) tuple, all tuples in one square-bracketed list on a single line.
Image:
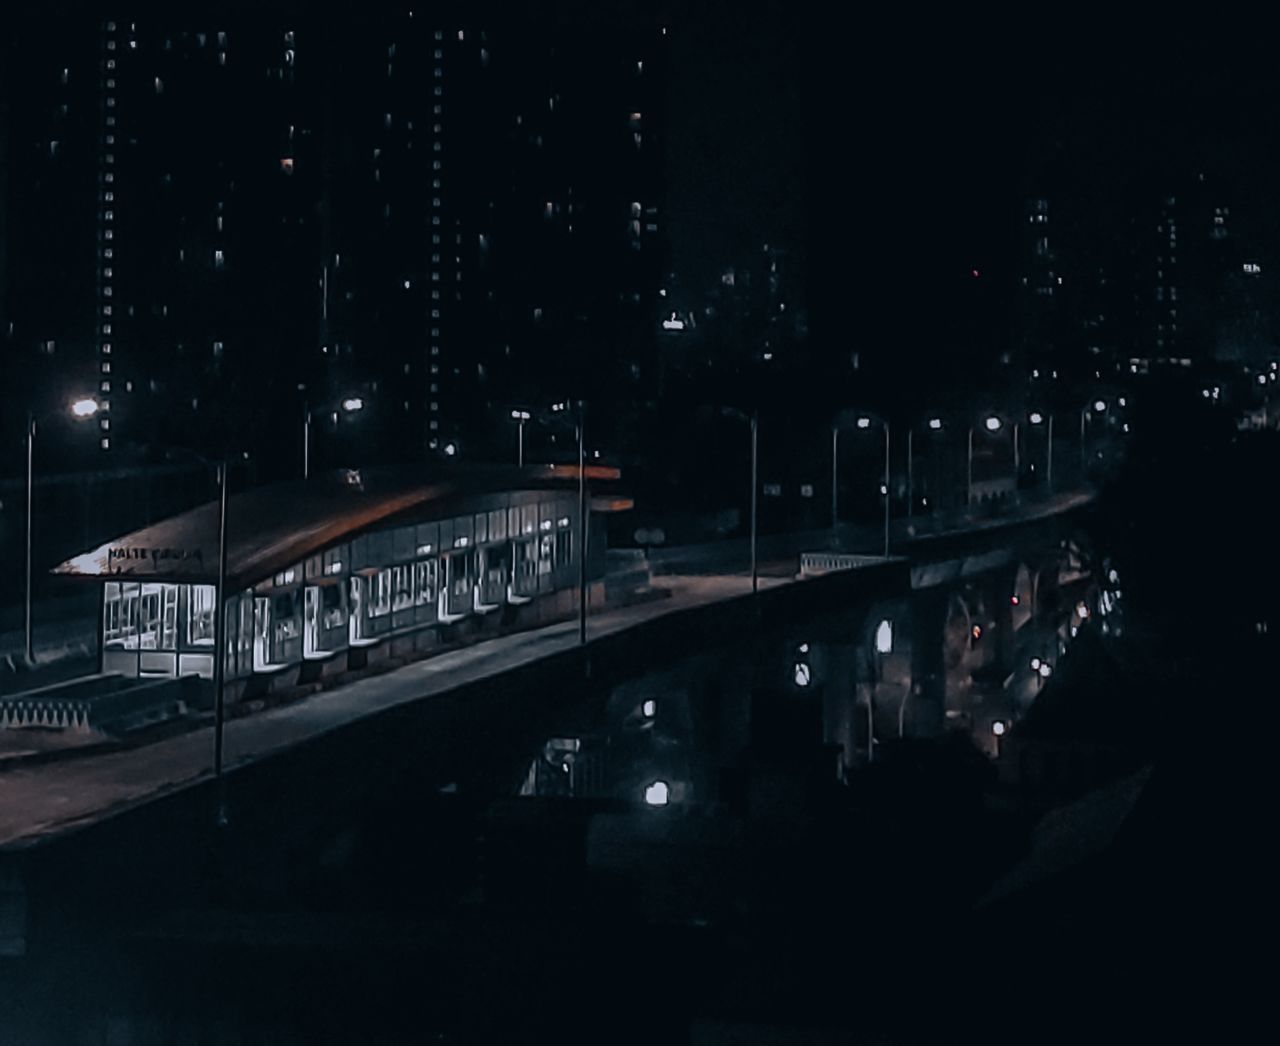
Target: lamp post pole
[(31, 436), (306, 440), (755, 575), (1048, 472), (968, 499), (582, 524), (1017, 462), (220, 630), (520, 446), (886, 488), (835, 456), (1083, 459), (911, 485)]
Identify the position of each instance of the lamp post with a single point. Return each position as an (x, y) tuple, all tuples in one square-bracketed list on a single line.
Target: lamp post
[(81, 409), (520, 417), (934, 424), (754, 421), (755, 494), (582, 524), (968, 497), (991, 424), (835, 455), (220, 638), (1098, 406), (350, 405), (219, 632), (865, 423), (1036, 418)]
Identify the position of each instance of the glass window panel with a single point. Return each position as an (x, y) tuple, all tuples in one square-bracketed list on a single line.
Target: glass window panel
[(401, 587), (334, 613), (200, 615), (424, 582), (380, 594), (120, 614), (149, 617)]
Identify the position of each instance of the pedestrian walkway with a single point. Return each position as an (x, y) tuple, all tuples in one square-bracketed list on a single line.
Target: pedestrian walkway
[(41, 801)]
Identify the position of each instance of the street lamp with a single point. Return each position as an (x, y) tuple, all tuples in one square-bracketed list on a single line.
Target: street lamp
[(992, 424), (1084, 415), (520, 416), (864, 421), (82, 408), (934, 424), (350, 405), (582, 524), (753, 419), (219, 629), (1036, 418)]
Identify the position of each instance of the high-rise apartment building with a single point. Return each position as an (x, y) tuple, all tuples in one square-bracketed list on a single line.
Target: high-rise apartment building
[(228, 215)]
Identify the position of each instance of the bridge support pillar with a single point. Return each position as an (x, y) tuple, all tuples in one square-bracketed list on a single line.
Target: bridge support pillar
[(841, 714), (13, 909), (924, 714)]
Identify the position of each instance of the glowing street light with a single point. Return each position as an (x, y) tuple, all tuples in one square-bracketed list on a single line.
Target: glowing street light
[(520, 417), (84, 408), (863, 422), (657, 794), (350, 405), (998, 728), (992, 423)]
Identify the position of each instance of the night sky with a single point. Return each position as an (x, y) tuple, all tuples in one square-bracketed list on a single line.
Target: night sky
[(897, 147)]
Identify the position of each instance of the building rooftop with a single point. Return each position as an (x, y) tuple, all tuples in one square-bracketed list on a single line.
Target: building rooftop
[(273, 527)]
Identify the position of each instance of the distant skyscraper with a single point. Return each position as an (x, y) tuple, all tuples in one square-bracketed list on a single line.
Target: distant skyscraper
[(448, 218)]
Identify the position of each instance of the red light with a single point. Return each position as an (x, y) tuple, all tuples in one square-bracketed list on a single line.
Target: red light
[(974, 273), (1013, 600), (977, 631)]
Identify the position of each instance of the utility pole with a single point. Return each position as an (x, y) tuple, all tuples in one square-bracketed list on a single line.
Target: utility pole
[(220, 643), (582, 524)]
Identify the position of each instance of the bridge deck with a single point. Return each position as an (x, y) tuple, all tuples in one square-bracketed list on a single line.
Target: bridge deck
[(40, 802)]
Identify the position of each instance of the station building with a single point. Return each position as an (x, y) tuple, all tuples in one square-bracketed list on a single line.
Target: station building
[(339, 571)]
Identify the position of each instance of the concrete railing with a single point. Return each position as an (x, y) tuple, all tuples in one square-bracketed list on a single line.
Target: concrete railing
[(103, 703), (813, 563)]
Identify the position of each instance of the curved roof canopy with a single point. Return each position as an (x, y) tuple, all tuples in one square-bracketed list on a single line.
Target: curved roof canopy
[(273, 527)]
